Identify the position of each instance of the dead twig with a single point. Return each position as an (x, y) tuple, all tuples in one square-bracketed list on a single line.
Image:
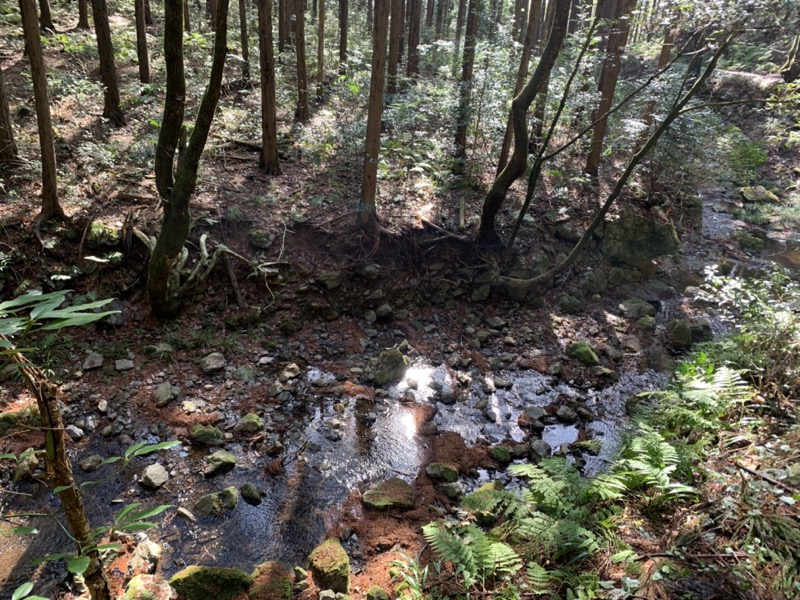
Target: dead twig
[(767, 478)]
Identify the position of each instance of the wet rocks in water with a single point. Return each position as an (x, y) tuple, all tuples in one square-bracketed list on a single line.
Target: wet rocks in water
[(443, 471), (250, 423), (154, 476), (501, 454), (251, 494), (566, 414), (213, 363), (220, 462), (330, 566), (165, 393), (391, 367), (636, 308), (391, 493), (584, 353), (271, 581), (204, 583), (204, 435), (215, 504), (91, 463)]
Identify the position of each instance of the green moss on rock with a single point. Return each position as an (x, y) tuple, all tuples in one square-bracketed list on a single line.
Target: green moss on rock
[(271, 581), (392, 493), (206, 436), (392, 366), (444, 471), (584, 353), (330, 566), (377, 593), (204, 583)]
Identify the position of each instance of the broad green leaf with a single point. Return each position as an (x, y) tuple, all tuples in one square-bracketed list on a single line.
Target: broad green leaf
[(109, 547), (61, 488), (76, 320), (22, 591), (126, 510), (45, 307), (8, 456), (145, 514), (52, 557), (155, 448), (110, 460), (131, 450), (138, 526), (25, 530), (30, 297), (78, 565)]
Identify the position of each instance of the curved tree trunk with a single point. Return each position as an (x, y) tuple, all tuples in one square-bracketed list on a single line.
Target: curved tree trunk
[(108, 70), (243, 39), (50, 206), (301, 114), (519, 110), (464, 114), (141, 42), (269, 130), (367, 215), (343, 18), (162, 286), (83, 14), (8, 148)]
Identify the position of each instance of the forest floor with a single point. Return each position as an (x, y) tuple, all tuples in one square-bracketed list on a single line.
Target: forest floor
[(316, 294)]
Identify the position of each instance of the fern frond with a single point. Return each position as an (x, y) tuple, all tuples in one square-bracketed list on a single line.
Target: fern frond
[(538, 578), (451, 548)]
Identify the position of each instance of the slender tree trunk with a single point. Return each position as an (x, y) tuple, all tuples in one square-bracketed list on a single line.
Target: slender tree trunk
[(367, 214), (394, 46), (440, 5), (574, 16), (462, 11), (211, 11), (519, 109), (343, 19), (148, 14), (187, 17), (243, 38), (8, 148), (301, 114), (269, 130), (518, 20), (522, 75), (314, 11), (402, 37), (464, 115), (50, 206), (429, 14), (369, 15), (108, 70), (83, 14), (608, 82), (281, 25), (46, 16), (414, 11), (163, 288), (141, 42), (321, 51), (648, 115)]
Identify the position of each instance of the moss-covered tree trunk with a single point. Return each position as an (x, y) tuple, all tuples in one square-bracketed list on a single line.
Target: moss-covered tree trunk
[(367, 214), (301, 113), (162, 280), (50, 206), (108, 69), (519, 111), (141, 42), (269, 130), (8, 148), (464, 114)]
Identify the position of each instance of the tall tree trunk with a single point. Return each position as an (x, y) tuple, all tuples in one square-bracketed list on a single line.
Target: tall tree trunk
[(522, 75), (8, 148), (574, 16), (108, 70), (648, 115), (301, 113), (440, 5), (367, 214), (281, 25), (790, 70), (46, 16), (414, 12), (519, 109), (269, 129), (187, 17), (608, 82), (462, 12), (464, 115), (518, 20), (211, 13), (343, 22), (369, 15), (50, 206), (83, 14), (148, 14), (394, 46), (162, 284), (141, 42), (429, 13), (243, 38), (321, 51), (402, 38)]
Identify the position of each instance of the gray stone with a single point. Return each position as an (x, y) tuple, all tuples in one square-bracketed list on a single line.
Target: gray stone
[(251, 494), (207, 436), (482, 293), (165, 393), (495, 323), (701, 331), (758, 193), (154, 476), (594, 282), (26, 465), (452, 490), (91, 463), (330, 280), (371, 272), (185, 513), (566, 414), (569, 304), (636, 308), (637, 240), (613, 353), (123, 364), (391, 493), (540, 449), (536, 413), (74, 432), (647, 323), (245, 373), (291, 371), (370, 316), (219, 462), (391, 367), (749, 242), (215, 504), (384, 310), (145, 558), (213, 363), (93, 360)]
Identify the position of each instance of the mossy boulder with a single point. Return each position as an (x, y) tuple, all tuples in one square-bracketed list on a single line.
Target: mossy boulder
[(216, 504), (330, 566), (636, 240), (377, 593), (391, 367), (501, 453), (205, 435), (204, 583), (758, 193), (271, 581), (391, 493), (584, 353), (636, 308), (147, 587), (749, 242), (444, 471), (219, 462), (250, 423)]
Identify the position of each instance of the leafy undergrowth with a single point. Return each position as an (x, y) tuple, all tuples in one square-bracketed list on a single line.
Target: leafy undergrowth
[(701, 501)]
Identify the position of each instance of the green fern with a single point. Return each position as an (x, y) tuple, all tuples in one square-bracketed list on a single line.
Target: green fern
[(538, 579)]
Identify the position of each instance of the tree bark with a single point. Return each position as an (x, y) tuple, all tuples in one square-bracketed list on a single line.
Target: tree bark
[(281, 25), (301, 114), (343, 22), (612, 63), (648, 115), (369, 15), (439, 19), (518, 20), (243, 39), (394, 46), (522, 75), (46, 16), (162, 285), (148, 14), (429, 13), (790, 70), (269, 130), (519, 110), (50, 206), (108, 70), (414, 12), (367, 214), (187, 17), (460, 17), (8, 148), (83, 14), (321, 51), (141, 42), (464, 114)]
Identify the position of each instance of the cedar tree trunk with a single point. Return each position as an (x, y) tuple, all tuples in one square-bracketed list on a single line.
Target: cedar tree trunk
[(395, 34), (8, 149), (46, 17), (414, 12), (343, 17), (108, 70), (83, 14), (464, 115), (269, 130), (243, 39), (301, 112), (141, 42), (321, 50)]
